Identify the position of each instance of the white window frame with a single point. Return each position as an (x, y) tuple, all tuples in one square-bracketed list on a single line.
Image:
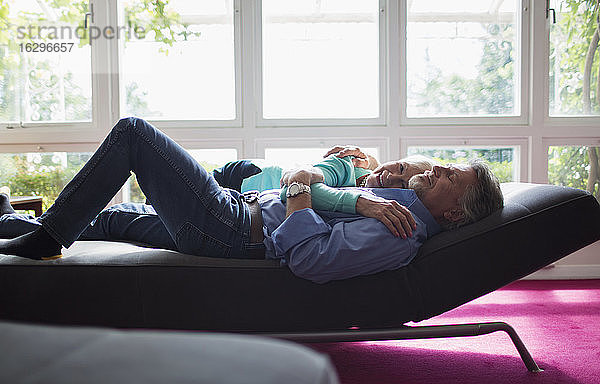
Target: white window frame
[(521, 73), (381, 143), (249, 131), (49, 147), (191, 145), (300, 122)]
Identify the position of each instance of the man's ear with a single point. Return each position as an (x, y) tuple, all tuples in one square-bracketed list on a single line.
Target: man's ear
[(454, 215)]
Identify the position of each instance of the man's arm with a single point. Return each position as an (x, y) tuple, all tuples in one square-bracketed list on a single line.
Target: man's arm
[(303, 200), (394, 216), (338, 249)]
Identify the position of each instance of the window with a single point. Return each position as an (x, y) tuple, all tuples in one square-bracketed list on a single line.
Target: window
[(295, 157), (574, 81), (575, 166), (462, 58), (320, 59), (40, 173), (45, 69), (181, 64), (449, 79), (501, 160), (208, 158)]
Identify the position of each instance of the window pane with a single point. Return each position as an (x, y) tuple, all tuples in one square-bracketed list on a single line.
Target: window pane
[(38, 82), (295, 157), (183, 67), (576, 167), (574, 82), (462, 57), (500, 159), (40, 174), (320, 59), (208, 158)]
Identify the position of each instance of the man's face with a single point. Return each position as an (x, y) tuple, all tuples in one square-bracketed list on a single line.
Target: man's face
[(441, 189), (394, 174)]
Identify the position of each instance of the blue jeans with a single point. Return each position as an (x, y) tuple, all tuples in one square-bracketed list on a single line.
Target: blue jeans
[(199, 216), (134, 222), (232, 174)]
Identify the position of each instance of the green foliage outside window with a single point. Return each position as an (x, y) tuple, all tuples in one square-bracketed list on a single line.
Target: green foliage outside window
[(575, 46), (40, 174), (571, 167), (578, 27)]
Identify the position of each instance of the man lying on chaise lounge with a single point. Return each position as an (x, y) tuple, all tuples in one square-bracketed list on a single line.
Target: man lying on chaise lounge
[(199, 217)]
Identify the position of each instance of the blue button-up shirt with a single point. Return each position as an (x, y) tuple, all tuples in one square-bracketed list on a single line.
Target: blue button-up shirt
[(322, 246)]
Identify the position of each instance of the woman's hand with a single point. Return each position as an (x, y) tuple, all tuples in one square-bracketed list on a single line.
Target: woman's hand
[(396, 217), (360, 160)]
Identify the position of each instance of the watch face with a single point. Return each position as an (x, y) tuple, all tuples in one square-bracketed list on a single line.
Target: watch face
[(294, 189)]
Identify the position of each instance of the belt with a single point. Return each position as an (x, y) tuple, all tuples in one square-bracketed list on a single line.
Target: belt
[(256, 225)]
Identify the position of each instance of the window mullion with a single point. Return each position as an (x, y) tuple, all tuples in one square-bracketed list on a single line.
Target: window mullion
[(104, 63)]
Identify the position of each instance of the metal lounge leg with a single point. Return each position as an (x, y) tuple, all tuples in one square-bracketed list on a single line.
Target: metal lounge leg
[(521, 348), (415, 332)]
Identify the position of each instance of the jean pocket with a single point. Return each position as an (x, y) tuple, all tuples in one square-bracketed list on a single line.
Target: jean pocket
[(191, 240)]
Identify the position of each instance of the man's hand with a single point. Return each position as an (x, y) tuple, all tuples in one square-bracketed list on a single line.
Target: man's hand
[(309, 175), (396, 217), (361, 159)]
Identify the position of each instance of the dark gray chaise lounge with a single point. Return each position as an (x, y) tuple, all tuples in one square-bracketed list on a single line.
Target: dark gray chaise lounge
[(121, 285)]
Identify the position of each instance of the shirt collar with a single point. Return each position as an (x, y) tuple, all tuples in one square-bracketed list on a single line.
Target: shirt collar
[(409, 199)]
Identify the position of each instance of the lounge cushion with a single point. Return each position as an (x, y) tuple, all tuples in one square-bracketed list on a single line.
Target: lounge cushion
[(50, 354), (123, 285)]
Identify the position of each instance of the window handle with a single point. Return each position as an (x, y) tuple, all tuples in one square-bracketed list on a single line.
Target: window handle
[(89, 14), (11, 126), (548, 10)]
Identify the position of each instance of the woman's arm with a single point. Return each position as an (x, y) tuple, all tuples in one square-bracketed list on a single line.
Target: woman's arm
[(396, 217), (360, 160), (338, 171)]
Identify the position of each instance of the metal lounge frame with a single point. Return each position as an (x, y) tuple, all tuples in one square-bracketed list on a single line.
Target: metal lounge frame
[(414, 332)]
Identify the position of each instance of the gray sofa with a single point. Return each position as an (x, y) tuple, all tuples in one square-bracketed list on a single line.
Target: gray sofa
[(61, 355)]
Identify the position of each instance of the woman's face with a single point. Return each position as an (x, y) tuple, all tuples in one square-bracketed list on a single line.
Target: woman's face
[(395, 174)]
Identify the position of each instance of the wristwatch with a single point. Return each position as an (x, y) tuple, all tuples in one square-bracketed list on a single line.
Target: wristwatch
[(296, 188)]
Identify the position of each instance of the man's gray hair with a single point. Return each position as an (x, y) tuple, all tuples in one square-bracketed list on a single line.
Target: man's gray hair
[(482, 198)]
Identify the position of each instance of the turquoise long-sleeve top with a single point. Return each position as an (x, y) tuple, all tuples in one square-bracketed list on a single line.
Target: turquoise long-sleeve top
[(337, 172)]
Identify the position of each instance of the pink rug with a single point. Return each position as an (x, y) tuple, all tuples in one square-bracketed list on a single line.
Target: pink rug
[(559, 322)]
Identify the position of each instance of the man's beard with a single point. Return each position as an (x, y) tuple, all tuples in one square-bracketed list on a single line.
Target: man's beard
[(419, 185)]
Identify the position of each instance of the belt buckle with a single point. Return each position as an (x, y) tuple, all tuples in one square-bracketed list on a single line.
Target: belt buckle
[(250, 196)]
